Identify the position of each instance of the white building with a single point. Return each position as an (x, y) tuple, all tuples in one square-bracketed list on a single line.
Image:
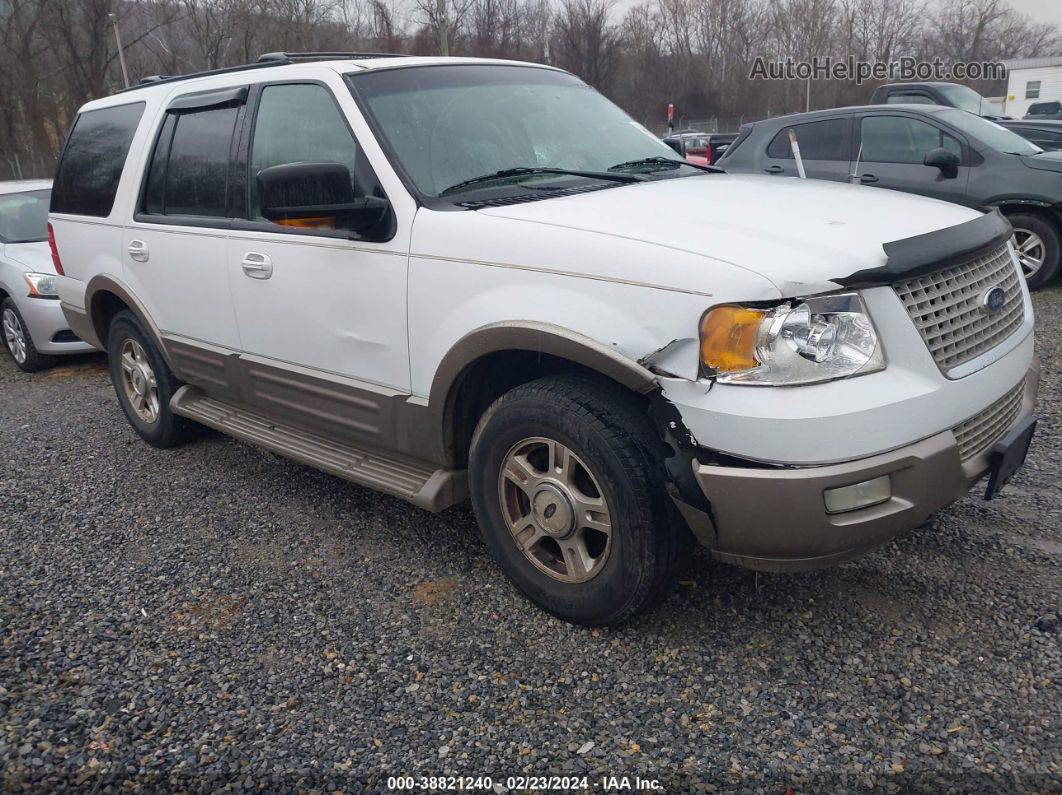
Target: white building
[(1032, 80)]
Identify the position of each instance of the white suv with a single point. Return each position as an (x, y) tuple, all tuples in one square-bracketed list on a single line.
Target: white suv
[(453, 278)]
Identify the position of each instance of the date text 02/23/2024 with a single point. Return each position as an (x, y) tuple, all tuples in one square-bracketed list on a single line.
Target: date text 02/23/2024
[(522, 784)]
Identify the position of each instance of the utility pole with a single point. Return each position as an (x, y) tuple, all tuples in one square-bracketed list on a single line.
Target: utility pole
[(442, 16), (807, 99), (121, 53)]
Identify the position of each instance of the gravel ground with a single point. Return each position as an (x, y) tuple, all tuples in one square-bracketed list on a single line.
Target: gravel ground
[(215, 617)]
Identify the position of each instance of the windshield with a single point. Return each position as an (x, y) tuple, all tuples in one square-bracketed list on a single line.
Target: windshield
[(446, 125), (24, 216), (987, 132), (965, 98)]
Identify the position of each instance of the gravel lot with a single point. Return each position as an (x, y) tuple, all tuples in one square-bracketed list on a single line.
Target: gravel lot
[(217, 617)]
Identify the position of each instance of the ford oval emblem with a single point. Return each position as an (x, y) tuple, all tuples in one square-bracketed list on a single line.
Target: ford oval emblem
[(993, 300)]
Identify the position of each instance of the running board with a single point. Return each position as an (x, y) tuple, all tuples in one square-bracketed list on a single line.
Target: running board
[(411, 479)]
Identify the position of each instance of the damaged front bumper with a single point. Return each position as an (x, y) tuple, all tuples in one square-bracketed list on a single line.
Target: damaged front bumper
[(776, 519)]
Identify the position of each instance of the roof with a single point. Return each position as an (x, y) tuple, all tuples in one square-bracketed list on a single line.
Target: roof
[(273, 69), (816, 114), (1032, 63), (20, 185)]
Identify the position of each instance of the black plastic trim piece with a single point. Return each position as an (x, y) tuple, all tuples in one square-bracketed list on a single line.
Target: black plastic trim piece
[(933, 251), (202, 100)]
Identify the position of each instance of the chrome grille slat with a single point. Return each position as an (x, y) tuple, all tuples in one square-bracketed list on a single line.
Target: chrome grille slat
[(985, 427), (947, 311)]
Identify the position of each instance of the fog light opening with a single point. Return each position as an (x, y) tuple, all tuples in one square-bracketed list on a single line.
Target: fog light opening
[(858, 495)]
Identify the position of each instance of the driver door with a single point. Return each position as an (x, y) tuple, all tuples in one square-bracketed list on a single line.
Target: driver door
[(322, 317)]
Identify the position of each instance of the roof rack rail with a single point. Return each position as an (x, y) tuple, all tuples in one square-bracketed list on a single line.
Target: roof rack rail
[(265, 61), (291, 57)]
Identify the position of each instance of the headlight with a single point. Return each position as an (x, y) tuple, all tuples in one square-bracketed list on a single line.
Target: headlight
[(41, 285), (820, 339)]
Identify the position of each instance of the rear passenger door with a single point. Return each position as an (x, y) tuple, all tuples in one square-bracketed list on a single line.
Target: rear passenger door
[(825, 148), (322, 314), (174, 250), (891, 150)]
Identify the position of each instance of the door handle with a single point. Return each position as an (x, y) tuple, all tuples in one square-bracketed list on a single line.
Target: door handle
[(867, 178), (138, 250), (774, 169), (257, 266)]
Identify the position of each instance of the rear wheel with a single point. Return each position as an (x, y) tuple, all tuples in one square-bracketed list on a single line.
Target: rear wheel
[(1039, 248), (144, 383), (18, 341), (567, 485)]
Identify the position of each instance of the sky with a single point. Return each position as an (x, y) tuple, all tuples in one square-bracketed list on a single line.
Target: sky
[(1040, 10)]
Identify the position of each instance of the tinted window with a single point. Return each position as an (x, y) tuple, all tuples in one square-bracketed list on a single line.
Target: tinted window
[(1044, 108), (818, 140), (899, 139), (24, 216), (909, 99), (302, 123), (197, 171), (987, 132), (92, 161)]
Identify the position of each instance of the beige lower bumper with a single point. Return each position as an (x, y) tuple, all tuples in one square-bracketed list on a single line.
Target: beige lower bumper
[(776, 519)]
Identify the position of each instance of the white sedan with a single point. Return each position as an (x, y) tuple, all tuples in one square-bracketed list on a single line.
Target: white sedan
[(34, 329)]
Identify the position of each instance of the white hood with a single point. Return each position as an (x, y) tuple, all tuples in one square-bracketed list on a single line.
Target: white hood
[(797, 233)]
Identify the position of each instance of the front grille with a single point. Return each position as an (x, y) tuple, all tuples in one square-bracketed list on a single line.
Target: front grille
[(983, 428), (947, 307)]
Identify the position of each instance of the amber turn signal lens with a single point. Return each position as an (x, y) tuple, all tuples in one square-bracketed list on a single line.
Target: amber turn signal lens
[(728, 338)]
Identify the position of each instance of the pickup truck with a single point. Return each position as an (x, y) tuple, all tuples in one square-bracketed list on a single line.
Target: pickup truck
[(952, 95)]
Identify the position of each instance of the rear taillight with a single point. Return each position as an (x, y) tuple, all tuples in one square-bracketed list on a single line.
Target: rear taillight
[(708, 154), (58, 263)]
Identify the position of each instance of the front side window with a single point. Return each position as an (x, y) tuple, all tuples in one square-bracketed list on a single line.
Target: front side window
[(899, 139), (445, 125), (190, 169), (1032, 89), (987, 132), (301, 122), (24, 216), (818, 140), (1045, 108), (86, 180)]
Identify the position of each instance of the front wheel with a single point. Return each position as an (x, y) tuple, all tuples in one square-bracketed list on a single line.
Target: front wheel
[(567, 484), (1039, 248), (18, 341)]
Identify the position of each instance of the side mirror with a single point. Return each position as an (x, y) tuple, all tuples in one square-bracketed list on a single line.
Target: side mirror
[(317, 195), (677, 144), (944, 159)]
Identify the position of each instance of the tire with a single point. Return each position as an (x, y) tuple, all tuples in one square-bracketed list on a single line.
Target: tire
[(614, 466), (1030, 228), (153, 420), (18, 341)]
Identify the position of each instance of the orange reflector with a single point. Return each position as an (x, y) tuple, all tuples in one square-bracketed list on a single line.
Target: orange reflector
[(308, 223), (728, 338)]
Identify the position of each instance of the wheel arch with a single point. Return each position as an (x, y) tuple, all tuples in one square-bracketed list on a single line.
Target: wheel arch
[(489, 361), (105, 297)]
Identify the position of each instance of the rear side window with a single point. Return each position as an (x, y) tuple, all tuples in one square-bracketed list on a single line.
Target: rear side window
[(93, 158), (818, 140), (190, 171), (909, 99)]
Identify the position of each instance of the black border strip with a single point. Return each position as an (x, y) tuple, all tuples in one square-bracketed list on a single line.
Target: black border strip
[(932, 251)]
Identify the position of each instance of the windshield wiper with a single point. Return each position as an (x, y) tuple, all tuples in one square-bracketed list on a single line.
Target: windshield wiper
[(663, 161), (505, 173)]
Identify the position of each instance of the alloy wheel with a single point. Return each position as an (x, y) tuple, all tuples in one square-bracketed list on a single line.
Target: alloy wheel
[(555, 510), (14, 336), (1031, 251), (139, 382)]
